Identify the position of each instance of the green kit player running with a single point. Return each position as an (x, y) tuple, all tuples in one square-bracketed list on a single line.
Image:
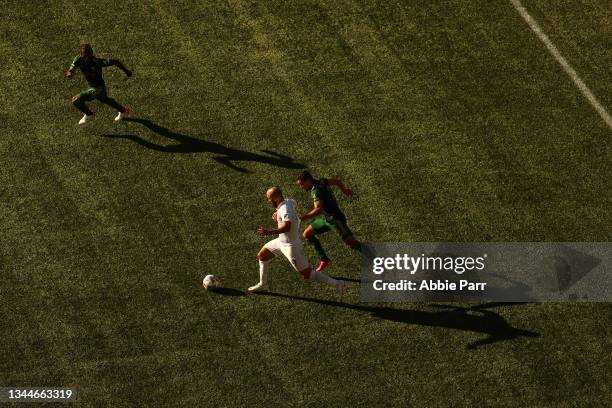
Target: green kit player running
[(91, 67), (326, 214)]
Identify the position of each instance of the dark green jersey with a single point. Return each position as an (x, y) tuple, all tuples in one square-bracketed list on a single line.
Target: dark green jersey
[(321, 192), (92, 69)]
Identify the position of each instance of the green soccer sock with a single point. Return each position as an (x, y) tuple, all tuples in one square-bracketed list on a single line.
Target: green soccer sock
[(314, 241)]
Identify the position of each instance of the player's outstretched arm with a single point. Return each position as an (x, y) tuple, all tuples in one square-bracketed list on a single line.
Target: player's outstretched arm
[(70, 73), (122, 67), (285, 227), (334, 181)]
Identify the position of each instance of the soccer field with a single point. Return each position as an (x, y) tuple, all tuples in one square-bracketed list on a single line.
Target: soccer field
[(451, 121)]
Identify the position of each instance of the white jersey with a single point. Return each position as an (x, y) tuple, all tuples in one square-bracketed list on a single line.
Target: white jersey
[(286, 211)]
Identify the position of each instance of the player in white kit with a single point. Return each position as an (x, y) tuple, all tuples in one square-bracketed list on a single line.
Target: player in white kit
[(288, 244)]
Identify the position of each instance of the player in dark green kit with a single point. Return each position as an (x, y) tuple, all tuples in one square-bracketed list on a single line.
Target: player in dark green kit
[(91, 67), (326, 214)]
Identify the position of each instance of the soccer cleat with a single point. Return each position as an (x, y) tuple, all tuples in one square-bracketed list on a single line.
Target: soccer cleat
[(122, 115), (340, 289), (256, 288), (323, 264), (87, 118)]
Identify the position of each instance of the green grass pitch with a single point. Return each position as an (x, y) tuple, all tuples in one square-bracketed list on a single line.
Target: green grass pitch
[(450, 121)]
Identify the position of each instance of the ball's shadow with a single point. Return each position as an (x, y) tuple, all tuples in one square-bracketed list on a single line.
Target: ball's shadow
[(227, 291)]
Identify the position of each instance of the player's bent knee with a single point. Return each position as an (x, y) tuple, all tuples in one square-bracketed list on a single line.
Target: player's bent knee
[(264, 255)]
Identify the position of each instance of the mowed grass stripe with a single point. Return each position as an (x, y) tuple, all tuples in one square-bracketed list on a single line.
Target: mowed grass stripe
[(43, 222), (92, 331)]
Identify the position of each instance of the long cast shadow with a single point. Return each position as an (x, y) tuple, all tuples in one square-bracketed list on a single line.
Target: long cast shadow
[(187, 144), (475, 319)]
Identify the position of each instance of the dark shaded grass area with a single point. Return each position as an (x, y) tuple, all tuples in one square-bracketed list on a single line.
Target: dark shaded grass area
[(450, 122)]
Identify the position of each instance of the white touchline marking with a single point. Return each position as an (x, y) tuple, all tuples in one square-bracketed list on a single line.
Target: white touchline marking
[(563, 62)]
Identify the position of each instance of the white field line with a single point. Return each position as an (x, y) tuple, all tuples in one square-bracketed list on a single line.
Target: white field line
[(563, 62)]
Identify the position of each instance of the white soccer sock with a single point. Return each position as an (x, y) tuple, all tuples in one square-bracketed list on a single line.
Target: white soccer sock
[(263, 272), (323, 278)]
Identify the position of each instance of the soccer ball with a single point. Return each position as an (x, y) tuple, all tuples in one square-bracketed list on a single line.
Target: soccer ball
[(210, 282)]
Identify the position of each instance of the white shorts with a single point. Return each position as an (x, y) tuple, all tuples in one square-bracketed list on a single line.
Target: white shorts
[(294, 252)]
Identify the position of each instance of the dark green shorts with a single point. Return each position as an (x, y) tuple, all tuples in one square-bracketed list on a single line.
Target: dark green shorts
[(323, 224), (92, 93)]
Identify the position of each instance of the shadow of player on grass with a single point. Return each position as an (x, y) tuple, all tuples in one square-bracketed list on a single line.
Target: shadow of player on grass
[(475, 319), (187, 144)]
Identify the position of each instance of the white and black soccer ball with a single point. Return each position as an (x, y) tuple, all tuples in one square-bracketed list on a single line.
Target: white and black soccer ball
[(211, 282)]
